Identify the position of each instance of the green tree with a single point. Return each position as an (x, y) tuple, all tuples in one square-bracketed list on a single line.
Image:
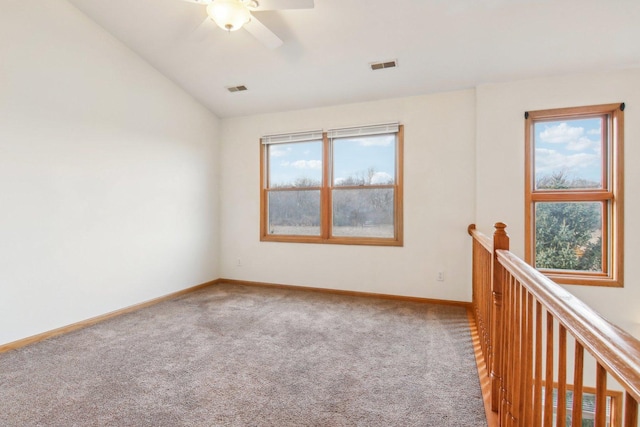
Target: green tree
[(568, 234)]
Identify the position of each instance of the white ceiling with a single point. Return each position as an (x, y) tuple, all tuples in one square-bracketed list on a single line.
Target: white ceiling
[(440, 45)]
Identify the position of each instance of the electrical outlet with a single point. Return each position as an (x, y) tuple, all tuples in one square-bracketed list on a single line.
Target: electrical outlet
[(440, 276)]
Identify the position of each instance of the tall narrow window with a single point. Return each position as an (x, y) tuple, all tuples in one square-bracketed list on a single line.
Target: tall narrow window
[(573, 192), (293, 181), (342, 186)]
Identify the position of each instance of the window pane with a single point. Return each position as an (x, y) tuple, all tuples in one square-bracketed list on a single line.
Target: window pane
[(294, 212), (363, 213), (588, 407), (568, 154), (298, 164), (364, 160), (569, 236)]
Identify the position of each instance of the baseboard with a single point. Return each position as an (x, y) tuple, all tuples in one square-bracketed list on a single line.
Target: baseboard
[(92, 321), (466, 305)]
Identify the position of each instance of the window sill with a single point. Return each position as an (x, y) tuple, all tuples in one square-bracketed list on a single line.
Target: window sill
[(362, 241)]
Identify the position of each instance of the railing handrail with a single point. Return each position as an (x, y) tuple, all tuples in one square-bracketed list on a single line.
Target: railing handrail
[(616, 350), (483, 239)]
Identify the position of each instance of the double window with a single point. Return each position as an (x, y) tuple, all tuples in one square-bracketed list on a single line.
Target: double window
[(341, 186), (573, 192)]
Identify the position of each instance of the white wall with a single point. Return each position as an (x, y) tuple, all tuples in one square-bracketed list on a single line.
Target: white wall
[(108, 173), (439, 190), (500, 168)]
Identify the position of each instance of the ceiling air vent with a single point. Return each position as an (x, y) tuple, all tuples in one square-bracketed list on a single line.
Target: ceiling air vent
[(381, 65), (236, 88)]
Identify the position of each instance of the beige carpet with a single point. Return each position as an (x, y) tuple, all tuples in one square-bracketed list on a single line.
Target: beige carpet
[(240, 356)]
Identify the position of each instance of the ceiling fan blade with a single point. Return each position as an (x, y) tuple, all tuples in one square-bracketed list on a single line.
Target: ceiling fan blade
[(264, 35), (282, 4)]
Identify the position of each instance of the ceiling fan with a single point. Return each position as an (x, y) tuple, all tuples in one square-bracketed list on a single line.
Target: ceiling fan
[(231, 15)]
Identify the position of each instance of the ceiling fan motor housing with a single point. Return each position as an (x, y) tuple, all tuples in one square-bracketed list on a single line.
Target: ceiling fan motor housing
[(230, 15)]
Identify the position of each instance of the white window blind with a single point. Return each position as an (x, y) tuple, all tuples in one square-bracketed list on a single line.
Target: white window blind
[(313, 135), (363, 130), (285, 138)]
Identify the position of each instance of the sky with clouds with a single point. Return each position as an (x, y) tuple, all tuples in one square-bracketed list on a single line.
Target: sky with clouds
[(572, 146), (352, 157), (289, 162)]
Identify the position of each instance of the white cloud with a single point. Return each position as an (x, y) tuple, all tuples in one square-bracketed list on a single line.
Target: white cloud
[(573, 138), (583, 144), (306, 164), (561, 133), (278, 151), (375, 141), (548, 161), (595, 132)]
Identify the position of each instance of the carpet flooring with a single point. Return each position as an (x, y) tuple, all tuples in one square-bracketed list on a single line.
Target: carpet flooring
[(232, 355)]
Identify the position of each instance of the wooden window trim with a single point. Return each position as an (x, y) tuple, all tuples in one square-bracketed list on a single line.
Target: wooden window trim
[(613, 173), (326, 216), (614, 395)]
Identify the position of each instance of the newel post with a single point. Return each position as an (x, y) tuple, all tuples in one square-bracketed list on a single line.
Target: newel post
[(500, 241)]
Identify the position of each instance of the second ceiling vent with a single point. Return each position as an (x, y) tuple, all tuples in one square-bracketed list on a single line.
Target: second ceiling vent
[(236, 88), (382, 65)]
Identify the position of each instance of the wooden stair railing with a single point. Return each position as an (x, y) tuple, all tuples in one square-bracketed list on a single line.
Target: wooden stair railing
[(525, 322)]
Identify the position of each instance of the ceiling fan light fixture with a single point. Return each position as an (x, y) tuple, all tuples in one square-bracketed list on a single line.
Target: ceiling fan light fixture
[(251, 4), (230, 15)]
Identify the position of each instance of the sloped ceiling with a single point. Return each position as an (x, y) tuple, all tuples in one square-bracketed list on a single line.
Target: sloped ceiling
[(440, 45)]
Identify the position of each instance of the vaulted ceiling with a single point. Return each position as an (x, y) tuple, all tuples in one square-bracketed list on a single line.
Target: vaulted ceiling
[(439, 45)]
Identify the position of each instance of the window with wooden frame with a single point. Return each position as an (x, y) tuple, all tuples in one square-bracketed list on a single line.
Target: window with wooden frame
[(574, 194), (341, 186), (613, 405)]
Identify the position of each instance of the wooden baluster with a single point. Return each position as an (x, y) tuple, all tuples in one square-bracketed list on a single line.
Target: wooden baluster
[(561, 409), (488, 309), (617, 406), (601, 396), (537, 391), (482, 295), (479, 256), (486, 296), (548, 382), (507, 351), (517, 353), (503, 354), (500, 241), (527, 416), (513, 353), (578, 375), (474, 285), (630, 411)]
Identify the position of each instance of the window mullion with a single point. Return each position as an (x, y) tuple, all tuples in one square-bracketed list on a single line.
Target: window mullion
[(399, 187), (325, 193)]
